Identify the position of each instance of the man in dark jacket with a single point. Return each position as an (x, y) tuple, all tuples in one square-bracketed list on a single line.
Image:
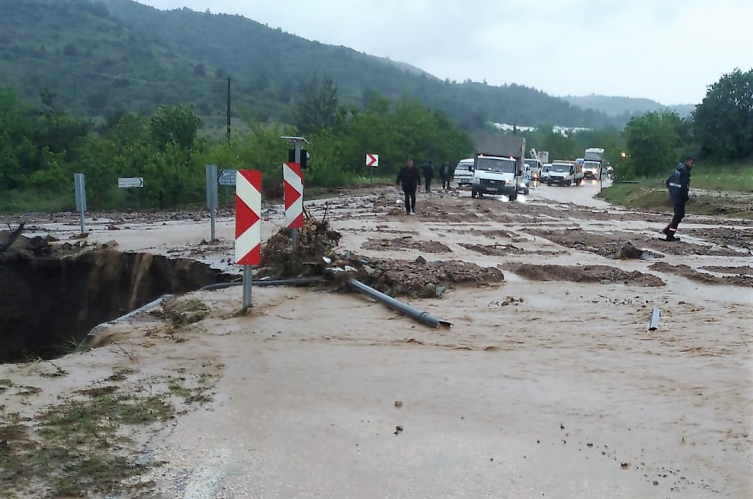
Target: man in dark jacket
[(446, 175), (678, 185), (409, 179), (428, 175)]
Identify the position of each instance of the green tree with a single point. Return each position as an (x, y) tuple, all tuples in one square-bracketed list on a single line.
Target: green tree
[(317, 108), (723, 122), (176, 125), (653, 144)]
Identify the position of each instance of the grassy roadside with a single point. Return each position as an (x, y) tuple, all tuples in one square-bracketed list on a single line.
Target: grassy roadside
[(651, 195), (730, 178)]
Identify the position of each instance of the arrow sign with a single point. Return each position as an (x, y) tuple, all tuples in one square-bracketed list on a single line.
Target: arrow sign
[(247, 217), (372, 160), (292, 177), (130, 182)]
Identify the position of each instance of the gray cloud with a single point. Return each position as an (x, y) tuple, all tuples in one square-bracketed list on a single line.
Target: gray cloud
[(667, 50)]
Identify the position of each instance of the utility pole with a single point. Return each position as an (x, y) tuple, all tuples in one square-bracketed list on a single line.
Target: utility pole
[(228, 109)]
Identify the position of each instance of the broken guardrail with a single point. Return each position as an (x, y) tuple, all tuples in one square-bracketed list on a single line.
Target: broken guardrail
[(415, 314)]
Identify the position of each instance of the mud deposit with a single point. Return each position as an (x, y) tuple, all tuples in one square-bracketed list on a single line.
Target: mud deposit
[(504, 250), (589, 273), (426, 279), (608, 244), (50, 303), (746, 270), (405, 243), (692, 274)]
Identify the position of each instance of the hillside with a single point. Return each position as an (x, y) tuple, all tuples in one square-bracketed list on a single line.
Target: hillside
[(625, 106), (106, 57)]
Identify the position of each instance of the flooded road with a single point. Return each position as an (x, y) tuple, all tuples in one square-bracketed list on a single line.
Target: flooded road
[(542, 388)]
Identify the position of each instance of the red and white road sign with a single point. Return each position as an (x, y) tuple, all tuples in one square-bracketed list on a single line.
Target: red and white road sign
[(292, 178), (372, 160), (248, 217)]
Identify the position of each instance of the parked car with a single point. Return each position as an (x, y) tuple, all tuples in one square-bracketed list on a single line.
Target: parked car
[(464, 172), (544, 175)]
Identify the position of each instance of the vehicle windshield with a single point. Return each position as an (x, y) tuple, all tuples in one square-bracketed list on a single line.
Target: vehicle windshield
[(531, 162), (462, 166), (561, 168), (499, 165), (591, 164)]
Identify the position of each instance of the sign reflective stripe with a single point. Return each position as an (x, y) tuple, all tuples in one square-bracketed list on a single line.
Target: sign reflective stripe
[(675, 185)]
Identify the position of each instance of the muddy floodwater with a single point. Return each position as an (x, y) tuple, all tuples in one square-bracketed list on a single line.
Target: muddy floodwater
[(549, 384)]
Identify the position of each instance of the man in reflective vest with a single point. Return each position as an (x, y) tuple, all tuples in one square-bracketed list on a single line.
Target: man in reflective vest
[(678, 185)]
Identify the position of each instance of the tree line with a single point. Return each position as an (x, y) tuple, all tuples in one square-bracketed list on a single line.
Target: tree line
[(43, 145)]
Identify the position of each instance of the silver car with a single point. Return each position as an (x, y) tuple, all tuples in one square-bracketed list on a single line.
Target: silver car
[(463, 174)]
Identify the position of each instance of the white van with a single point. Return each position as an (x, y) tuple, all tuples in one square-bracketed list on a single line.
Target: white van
[(463, 172)]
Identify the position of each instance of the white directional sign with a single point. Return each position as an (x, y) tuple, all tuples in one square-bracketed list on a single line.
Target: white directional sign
[(130, 182), (372, 160), (227, 177)]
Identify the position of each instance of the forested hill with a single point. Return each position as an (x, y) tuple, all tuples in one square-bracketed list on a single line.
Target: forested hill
[(616, 106), (104, 57)]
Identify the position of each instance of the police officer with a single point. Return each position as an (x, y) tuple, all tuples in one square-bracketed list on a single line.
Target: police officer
[(678, 185)]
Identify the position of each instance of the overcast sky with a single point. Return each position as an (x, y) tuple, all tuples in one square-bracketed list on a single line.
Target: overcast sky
[(666, 50)]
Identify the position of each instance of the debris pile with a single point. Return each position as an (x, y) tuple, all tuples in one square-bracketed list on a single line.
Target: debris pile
[(315, 241)]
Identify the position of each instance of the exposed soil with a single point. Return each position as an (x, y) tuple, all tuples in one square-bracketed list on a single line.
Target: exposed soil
[(425, 279), (588, 273), (725, 237), (504, 250), (692, 274), (608, 244), (746, 270), (603, 244), (50, 303), (405, 243)]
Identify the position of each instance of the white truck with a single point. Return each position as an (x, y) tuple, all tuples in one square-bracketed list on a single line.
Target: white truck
[(565, 173), (593, 163), (498, 165)]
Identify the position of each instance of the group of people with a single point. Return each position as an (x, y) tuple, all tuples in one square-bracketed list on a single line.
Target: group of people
[(409, 178), (678, 185)]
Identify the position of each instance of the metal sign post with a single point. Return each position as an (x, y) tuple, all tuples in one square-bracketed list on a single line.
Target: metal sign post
[(79, 183), (248, 282), (297, 141), (247, 227), (372, 161), (212, 196)]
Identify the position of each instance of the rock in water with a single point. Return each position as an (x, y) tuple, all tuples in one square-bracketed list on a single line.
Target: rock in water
[(628, 252)]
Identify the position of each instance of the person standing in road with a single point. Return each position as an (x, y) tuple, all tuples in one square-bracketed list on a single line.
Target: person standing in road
[(428, 175), (446, 175), (678, 185), (409, 179)]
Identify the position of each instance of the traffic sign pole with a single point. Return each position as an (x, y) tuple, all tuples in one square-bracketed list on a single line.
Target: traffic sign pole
[(247, 227), (294, 233), (212, 197), (79, 183)]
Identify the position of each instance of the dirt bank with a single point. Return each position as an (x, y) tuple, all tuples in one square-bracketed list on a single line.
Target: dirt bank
[(51, 302), (743, 280), (588, 273)]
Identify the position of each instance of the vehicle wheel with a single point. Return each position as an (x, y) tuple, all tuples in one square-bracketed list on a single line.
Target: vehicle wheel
[(580, 180), (473, 194), (549, 184), (569, 183), (514, 195), (526, 192)]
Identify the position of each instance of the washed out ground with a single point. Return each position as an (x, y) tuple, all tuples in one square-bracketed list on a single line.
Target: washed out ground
[(547, 385)]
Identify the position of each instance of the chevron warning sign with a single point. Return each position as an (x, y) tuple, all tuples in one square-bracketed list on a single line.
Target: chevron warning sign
[(247, 217), (292, 178)]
